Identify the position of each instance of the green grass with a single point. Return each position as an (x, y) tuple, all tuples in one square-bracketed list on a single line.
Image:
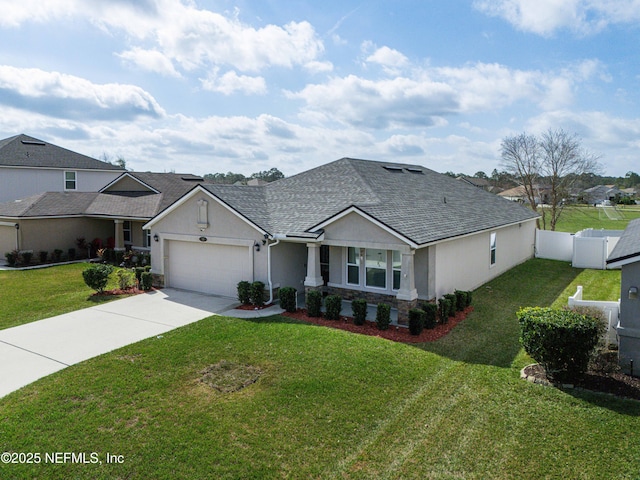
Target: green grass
[(30, 295), (576, 218), (329, 404)]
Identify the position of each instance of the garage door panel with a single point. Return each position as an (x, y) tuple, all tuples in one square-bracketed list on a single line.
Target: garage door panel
[(7, 239), (208, 268)]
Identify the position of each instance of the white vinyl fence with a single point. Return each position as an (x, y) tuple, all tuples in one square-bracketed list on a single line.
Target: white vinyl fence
[(586, 249), (610, 309)]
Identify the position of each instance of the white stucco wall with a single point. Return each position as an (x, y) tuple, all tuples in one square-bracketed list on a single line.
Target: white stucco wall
[(16, 183), (629, 333)]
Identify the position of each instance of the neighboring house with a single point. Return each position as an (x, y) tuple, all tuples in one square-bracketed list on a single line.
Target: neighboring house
[(29, 166), (519, 194), (626, 254), (55, 220), (482, 183), (602, 194), (386, 232)]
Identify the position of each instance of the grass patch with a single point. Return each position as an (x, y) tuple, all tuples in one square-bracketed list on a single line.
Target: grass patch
[(576, 218), (30, 295), (328, 404)]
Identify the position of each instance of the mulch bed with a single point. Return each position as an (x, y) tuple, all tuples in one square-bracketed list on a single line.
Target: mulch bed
[(394, 333), (253, 307), (119, 291), (604, 377)]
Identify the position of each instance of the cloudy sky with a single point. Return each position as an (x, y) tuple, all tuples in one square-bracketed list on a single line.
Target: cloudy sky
[(206, 86)]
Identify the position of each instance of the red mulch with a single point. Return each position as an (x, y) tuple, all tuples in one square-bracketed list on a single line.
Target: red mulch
[(118, 291), (396, 334), (253, 307)]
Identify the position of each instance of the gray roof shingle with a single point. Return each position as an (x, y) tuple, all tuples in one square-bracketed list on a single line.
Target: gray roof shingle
[(25, 151), (417, 203), (629, 244)]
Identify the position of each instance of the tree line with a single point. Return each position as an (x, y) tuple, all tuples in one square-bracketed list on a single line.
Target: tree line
[(231, 178)]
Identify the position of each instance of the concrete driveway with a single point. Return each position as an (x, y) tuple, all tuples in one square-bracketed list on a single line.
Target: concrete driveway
[(34, 350)]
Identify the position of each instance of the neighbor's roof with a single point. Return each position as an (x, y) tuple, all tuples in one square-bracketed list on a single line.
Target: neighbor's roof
[(627, 250), (24, 151), (419, 204), (158, 191)]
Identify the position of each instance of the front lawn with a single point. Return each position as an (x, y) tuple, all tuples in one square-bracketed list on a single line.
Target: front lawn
[(30, 295), (328, 404)]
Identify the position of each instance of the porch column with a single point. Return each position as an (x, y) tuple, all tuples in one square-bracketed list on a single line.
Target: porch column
[(314, 276), (407, 294), (119, 235), (407, 278)]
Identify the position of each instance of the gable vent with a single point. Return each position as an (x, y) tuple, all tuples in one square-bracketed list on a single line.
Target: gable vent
[(393, 168)]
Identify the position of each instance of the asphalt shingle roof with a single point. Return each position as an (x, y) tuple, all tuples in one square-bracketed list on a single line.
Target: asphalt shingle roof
[(25, 151), (419, 204), (629, 244)]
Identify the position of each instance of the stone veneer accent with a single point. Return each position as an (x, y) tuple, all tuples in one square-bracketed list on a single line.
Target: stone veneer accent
[(373, 298), (158, 280)]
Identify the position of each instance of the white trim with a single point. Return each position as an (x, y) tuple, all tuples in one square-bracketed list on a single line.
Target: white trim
[(623, 262), (189, 195), (127, 174), (8, 224), (75, 180), (63, 168), (368, 217)]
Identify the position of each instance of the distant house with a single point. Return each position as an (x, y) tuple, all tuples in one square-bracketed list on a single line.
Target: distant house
[(55, 220), (626, 255), (602, 194), (482, 183), (385, 232), (519, 194), (29, 166)]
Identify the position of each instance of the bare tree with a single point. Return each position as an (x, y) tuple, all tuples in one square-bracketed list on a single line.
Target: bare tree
[(521, 158), (557, 158), (563, 161)]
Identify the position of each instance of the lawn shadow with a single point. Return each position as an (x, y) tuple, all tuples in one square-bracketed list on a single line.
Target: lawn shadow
[(490, 334)]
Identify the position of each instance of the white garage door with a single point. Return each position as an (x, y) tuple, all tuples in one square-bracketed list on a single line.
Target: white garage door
[(208, 268), (7, 240)]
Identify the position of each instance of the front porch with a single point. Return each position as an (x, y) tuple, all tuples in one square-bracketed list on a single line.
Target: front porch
[(348, 312)]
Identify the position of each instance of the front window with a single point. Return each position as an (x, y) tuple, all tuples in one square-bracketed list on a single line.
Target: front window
[(376, 267), (353, 266), (70, 181), (396, 262), (492, 249), (126, 230), (324, 263), (147, 238)]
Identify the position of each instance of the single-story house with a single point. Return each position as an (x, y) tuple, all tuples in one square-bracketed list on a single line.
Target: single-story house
[(519, 194), (29, 166), (55, 220), (386, 232), (626, 255), (601, 194)]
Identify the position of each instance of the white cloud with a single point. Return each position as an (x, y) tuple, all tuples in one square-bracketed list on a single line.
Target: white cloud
[(230, 83), (388, 58), (180, 33), (70, 96), (545, 17), (150, 60)]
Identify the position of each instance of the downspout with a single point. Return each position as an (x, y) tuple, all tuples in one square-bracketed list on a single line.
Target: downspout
[(269, 269)]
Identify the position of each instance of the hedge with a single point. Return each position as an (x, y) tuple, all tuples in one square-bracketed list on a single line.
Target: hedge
[(561, 341), (288, 298), (314, 303), (359, 308), (333, 307)]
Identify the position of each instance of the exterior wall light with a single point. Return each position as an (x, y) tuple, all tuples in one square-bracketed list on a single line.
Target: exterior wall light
[(256, 246), (156, 238), (633, 293)]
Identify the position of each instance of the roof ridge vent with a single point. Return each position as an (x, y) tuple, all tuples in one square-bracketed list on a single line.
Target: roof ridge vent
[(392, 168)]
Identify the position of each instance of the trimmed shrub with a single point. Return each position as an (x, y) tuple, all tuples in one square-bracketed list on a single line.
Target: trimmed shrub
[(26, 257), (57, 255), (461, 300), (561, 341), (453, 303), (431, 315), (444, 305), (96, 276), (333, 306), (244, 292), (72, 253), (469, 297), (288, 298), (257, 293), (314, 303), (126, 278), (12, 258), (146, 281), (43, 254), (416, 321), (359, 309), (139, 271), (383, 316)]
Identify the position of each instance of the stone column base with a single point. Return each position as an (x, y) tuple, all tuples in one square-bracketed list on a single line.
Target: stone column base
[(403, 310)]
